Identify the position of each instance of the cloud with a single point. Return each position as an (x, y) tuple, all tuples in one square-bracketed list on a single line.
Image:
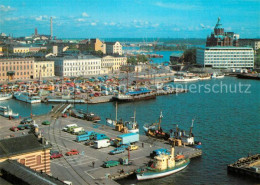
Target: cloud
[(93, 24), (42, 18), (84, 14), (4, 8), (112, 24), (176, 6), (11, 18)]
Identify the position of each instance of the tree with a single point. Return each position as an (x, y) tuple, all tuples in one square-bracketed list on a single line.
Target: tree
[(190, 56), (131, 60), (142, 58)]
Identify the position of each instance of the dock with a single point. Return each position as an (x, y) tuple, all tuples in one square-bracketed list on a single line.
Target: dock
[(86, 168), (249, 166)]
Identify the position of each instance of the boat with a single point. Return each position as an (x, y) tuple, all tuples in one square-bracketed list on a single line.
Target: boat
[(137, 95), (163, 165), (8, 112), (215, 75), (249, 76), (185, 79), (132, 126), (5, 96), (92, 117), (27, 97), (155, 130)]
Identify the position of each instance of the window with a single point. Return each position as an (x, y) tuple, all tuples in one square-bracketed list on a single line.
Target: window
[(38, 160)]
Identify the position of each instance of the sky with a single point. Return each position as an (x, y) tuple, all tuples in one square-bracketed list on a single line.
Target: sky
[(129, 18)]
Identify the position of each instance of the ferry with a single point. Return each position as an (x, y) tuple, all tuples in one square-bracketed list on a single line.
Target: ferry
[(163, 165), (5, 96), (215, 75), (7, 112), (140, 94), (26, 97)]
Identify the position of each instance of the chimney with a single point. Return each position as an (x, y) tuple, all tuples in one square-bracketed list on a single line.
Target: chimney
[(172, 151), (51, 28), (35, 32)]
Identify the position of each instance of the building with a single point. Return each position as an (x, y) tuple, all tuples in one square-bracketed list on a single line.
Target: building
[(176, 58), (111, 64), (27, 150), (80, 65), (221, 38), (43, 69), (226, 57), (98, 45), (114, 48), (16, 68), (12, 172), (18, 49), (254, 43)]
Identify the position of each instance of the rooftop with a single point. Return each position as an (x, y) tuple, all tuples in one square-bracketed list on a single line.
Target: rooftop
[(19, 145), (25, 175)]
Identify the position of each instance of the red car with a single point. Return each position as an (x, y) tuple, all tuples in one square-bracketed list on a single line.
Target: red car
[(73, 152), (14, 129), (56, 155)]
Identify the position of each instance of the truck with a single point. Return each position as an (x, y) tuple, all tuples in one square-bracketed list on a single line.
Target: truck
[(87, 136), (69, 126), (100, 137), (77, 130), (103, 143), (126, 139)]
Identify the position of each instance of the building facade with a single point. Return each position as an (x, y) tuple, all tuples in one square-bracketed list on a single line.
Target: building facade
[(114, 48), (21, 49), (16, 68), (77, 66), (221, 38), (98, 45), (112, 64), (43, 69), (226, 57), (254, 43), (28, 151)]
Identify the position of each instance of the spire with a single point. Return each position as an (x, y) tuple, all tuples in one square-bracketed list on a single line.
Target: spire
[(218, 25)]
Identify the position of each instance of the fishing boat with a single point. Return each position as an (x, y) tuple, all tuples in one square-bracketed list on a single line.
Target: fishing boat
[(137, 95), (163, 165), (5, 96), (132, 126), (8, 112), (155, 130)]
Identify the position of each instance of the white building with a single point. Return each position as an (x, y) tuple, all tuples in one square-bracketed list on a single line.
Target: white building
[(226, 57), (77, 66), (114, 48), (111, 64)]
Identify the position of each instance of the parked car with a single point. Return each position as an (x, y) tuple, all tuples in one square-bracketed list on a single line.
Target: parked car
[(72, 152), (56, 155), (117, 151), (14, 129), (89, 142), (132, 147), (21, 127), (27, 120), (109, 164), (46, 122)]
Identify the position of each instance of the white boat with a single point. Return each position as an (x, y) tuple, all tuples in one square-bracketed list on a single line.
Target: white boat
[(205, 78), (26, 97), (7, 112), (185, 79), (5, 96), (215, 75)]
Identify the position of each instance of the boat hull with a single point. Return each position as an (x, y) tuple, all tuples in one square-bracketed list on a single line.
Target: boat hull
[(7, 97), (135, 98), (154, 175)]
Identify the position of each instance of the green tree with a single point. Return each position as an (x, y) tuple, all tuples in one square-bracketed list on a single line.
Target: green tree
[(142, 58), (190, 56), (131, 60)]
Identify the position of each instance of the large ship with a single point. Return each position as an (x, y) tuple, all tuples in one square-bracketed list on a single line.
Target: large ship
[(140, 94), (163, 165), (185, 79), (26, 97), (7, 112), (5, 96)]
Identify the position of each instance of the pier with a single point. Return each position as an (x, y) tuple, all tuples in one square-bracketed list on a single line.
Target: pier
[(248, 166), (86, 168)]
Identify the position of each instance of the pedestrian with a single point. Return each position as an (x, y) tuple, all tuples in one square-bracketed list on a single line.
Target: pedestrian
[(142, 144), (93, 164)]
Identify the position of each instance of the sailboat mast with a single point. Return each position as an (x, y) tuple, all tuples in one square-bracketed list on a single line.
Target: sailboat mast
[(134, 115), (116, 111), (160, 119)]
